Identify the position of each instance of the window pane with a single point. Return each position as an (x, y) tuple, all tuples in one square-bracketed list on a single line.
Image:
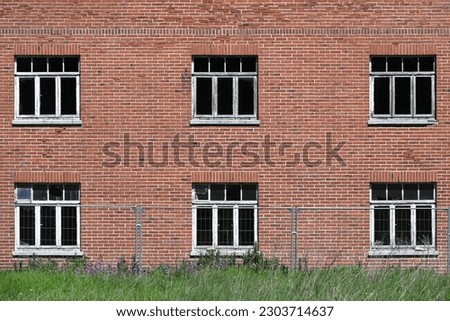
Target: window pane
[(249, 192), (402, 96), (225, 226), (225, 96), (246, 227), (200, 64), (246, 104), (410, 192), (26, 96), (381, 96), (426, 191), (40, 192), (217, 64), (218, 192), (68, 96), (26, 225), (71, 64), (402, 226), (23, 64), (56, 192), (48, 225), (423, 96), (233, 192), (378, 192), (48, 98), (378, 64), (426, 63), (40, 64), (410, 63), (423, 226), (233, 64), (394, 64), (24, 193), (204, 227), (201, 192), (68, 226), (203, 96), (72, 192), (395, 192), (382, 226), (249, 64), (55, 64)]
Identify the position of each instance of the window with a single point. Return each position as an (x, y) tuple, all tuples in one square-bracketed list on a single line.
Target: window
[(47, 90), (224, 90), (47, 219), (402, 90), (224, 217), (403, 219)]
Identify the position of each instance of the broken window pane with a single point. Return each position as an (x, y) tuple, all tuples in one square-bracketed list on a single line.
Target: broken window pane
[(378, 64), (72, 192), (218, 192), (204, 227), (48, 225), (26, 96), (423, 96), (402, 96), (39, 64), (68, 226), (217, 64), (382, 96), (246, 96), (249, 192), (426, 63), (24, 192), (225, 96), (55, 64), (410, 64), (71, 64), (379, 192), (233, 64), (40, 192), (225, 227), (233, 192), (423, 226), (23, 64), (201, 192), (27, 225), (68, 96), (204, 96), (410, 192), (395, 192), (200, 64), (246, 227), (426, 191), (55, 192), (48, 96), (403, 226), (394, 64), (382, 226), (249, 64)]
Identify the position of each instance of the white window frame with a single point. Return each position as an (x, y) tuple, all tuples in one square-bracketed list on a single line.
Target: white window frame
[(46, 250), (394, 249), (215, 118), (37, 118), (235, 249), (412, 118)]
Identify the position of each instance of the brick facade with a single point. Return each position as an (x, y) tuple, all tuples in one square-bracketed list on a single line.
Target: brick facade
[(136, 144)]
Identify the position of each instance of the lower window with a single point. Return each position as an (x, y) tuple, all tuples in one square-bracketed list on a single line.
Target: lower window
[(224, 218), (403, 219), (47, 219)]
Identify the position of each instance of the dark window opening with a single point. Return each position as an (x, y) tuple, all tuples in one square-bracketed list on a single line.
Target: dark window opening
[(246, 99), (403, 226), (246, 227), (48, 96), (402, 96), (204, 227), (26, 96), (68, 226), (68, 96), (48, 225), (225, 96), (382, 226), (204, 96), (27, 231), (381, 96), (225, 227)]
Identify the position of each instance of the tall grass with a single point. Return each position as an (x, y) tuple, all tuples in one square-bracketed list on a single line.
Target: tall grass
[(231, 283)]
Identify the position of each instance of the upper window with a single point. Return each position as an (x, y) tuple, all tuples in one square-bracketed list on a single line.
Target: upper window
[(403, 219), (224, 90), (403, 89), (224, 217), (47, 219), (47, 90)]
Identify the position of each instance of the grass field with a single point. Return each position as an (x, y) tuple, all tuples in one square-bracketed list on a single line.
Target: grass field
[(238, 283)]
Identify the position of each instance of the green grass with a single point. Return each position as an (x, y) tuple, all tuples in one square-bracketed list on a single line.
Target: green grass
[(234, 283)]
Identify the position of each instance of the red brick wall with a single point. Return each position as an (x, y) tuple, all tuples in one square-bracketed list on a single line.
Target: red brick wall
[(313, 79)]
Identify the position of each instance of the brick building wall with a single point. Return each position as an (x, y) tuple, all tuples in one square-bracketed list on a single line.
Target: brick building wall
[(136, 144)]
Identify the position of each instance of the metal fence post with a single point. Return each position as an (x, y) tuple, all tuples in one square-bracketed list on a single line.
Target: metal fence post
[(294, 238), (138, 210)]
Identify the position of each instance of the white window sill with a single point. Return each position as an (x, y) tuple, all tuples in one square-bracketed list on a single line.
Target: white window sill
[(222, 251), (398, 252), (47, 121), (47, 252), (402, 121), (224, 121)]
